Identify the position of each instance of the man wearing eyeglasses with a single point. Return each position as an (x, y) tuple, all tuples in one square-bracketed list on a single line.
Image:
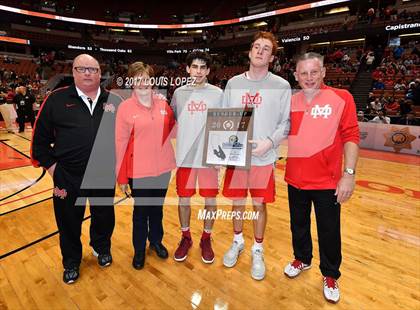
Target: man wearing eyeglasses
[(73, 140)]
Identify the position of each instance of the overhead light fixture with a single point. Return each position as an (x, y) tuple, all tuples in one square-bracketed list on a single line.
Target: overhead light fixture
[(320, 43), (350, 41), (260, 24), (410, 34), (134, 30), (117, 30), (337, 10)]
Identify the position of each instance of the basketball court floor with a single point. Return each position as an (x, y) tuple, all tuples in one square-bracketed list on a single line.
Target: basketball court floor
[(380, 244)]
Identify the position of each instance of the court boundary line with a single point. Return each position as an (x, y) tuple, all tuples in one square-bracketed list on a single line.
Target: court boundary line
[(34, 194), (33, 243), (25, 188), (23, 207), (16, 151), (6, 169), (20, 152), (22, 137), (46, 237)]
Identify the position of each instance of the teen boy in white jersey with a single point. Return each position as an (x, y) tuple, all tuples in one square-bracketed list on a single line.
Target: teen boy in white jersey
[(269, 95), (190, 104)]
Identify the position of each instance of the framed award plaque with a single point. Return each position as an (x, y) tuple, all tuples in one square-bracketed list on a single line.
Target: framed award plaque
[(226, 137)]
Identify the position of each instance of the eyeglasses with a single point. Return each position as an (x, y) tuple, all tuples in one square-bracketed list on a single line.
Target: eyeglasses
[(83, 69)]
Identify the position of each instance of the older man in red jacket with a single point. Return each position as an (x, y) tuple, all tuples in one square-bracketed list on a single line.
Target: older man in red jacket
[(323, 126)]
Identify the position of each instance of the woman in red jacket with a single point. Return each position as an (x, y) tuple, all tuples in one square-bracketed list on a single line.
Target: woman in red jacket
[(145, 158)]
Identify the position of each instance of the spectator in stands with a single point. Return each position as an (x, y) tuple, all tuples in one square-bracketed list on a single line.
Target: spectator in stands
[(37, 104), (408, 61), (400, 85), (370, 58), (389, 83), (390, 70), (409, 119), (376, 105), (377, 74), (398, 51), (394, 14), (10, 95), (392, 106), (24, 101), (337, 55), (345, 58), (370, 15), (7, 111), (379, 84), (371, 97), (415, 51), (416, 92), (405, 106), (6, 75), (381, 118), (361, 117)]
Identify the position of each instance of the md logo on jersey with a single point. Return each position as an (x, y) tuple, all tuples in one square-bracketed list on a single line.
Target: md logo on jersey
[(324, 111), (252, 100), (197, 106)]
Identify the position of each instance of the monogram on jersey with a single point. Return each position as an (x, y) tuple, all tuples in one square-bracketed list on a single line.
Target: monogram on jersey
[(324, 111), (252, 100), (196, 106)]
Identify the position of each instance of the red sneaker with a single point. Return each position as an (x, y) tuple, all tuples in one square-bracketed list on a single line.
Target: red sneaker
[(207, 254), (181, 252)]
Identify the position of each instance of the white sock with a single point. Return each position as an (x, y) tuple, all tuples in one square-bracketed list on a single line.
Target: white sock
[(257, 246), (239, 238)]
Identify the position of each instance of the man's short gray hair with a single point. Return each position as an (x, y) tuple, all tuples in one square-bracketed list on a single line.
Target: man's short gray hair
[(311, 55)]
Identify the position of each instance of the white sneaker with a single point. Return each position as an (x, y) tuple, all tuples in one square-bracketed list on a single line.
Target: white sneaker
[(331, 291), (258, 265), (294, 268), (231, 256)]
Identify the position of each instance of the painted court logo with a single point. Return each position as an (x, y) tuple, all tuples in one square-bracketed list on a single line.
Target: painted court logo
[(252, 100), (196, 106), (60, 193), (324, 111), (399, 138)]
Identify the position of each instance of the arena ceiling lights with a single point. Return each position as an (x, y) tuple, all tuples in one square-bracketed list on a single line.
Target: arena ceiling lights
[(175, 26)]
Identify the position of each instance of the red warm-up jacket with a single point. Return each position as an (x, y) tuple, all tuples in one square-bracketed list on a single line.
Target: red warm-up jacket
[(143, 145), (318, 131)]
